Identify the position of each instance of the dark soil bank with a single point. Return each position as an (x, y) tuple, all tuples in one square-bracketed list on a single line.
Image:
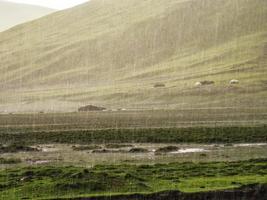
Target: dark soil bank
[(250, 192)]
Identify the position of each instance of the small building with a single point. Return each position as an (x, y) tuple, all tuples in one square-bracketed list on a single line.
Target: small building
[(157, 85), (89, 108)]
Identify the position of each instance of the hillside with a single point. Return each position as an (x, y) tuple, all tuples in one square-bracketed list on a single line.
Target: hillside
[(110, 53), (23, 14)]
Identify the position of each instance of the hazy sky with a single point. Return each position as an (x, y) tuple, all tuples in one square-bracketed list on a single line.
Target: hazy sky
[(56, 4)]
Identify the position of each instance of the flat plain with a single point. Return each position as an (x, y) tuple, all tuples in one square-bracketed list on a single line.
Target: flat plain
[(47, 156)]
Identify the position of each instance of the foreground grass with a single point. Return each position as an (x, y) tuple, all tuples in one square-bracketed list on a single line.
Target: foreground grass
[(161, 135), (52, 181)]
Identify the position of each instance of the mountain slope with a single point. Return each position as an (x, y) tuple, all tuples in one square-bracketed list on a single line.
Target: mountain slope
[(23, 14), (112, 52)]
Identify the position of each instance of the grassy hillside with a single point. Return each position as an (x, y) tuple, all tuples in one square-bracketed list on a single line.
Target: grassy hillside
[(23, 14), (112, 52)]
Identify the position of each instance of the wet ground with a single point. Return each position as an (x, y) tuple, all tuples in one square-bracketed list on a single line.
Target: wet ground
[(66, 154)]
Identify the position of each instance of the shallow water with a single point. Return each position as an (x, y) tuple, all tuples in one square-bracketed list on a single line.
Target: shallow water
[(189, 150), (64, 154), (250, 144)]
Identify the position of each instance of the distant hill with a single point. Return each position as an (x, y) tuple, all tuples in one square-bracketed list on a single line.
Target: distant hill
[(111, 53), (12, 14)]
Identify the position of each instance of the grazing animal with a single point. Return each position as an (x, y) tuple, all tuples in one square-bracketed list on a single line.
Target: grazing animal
[(234, 81), (200, 83)]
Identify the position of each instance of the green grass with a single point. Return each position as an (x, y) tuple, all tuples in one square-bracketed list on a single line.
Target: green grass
[(163, 135), (219, 183), (56, 181)]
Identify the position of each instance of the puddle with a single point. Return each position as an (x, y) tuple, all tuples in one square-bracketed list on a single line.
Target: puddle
[(250, 144), (48, 148), (38, 161), (41, 162), (189, 150)]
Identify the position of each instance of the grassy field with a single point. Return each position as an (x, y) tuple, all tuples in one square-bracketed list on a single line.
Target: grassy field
[(168, 118), (172, 135), (54, 158), (102, 153), (53, 177), (55, 181)]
